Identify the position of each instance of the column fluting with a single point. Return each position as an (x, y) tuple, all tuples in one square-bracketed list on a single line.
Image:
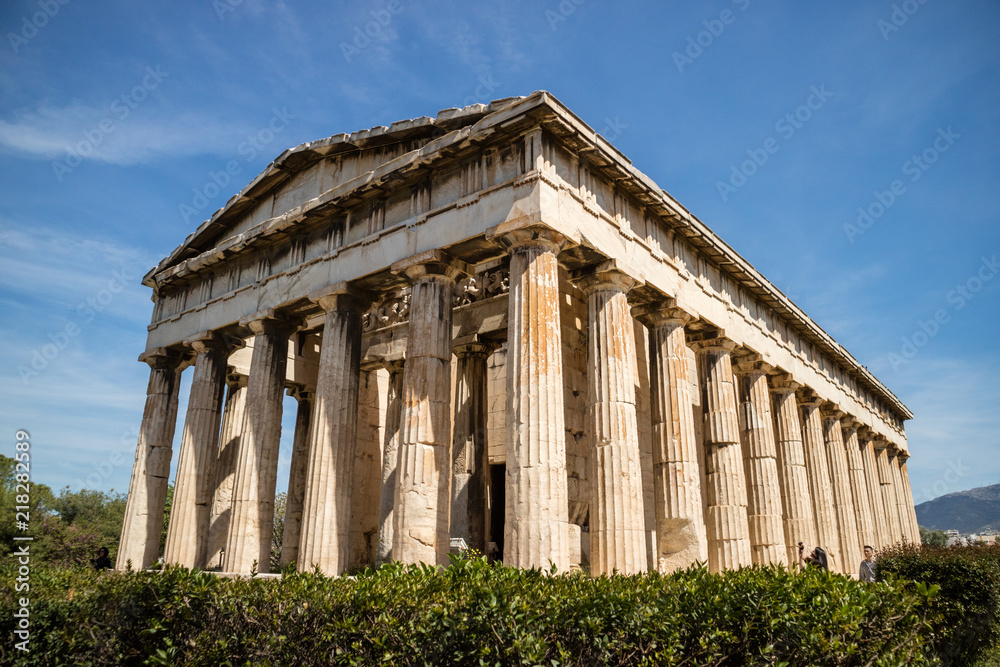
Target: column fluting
[(793, 476)]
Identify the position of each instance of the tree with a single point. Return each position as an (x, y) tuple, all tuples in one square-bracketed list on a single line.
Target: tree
[(13, 494), (935, 538), (278, 530)]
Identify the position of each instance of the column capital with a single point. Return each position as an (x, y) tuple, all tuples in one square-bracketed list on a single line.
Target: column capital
[(300, 392), (270, 320), (849, 424), (782, 383), (880, 442), (715, 341), (662, 311), (831, 411), (807, 397), (342, 296), (605, 275), (513, 236), (162, 358), (236, 379), (747, 362), (473, 345), (207, 341), (431, 264)]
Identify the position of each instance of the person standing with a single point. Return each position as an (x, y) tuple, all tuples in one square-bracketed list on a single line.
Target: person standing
[(867, 573)]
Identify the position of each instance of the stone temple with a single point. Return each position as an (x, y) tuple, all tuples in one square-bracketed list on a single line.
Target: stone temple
[(497, 329)]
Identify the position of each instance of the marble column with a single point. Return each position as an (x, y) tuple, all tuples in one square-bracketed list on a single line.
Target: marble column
[(617, 516), (470, 461), (224, 473), (793, 477), (874, 488), (140, 538), (902, 506), (423, 475), (863, 513), (894, 533), (726, 491), (820, 484), (536, 524), (295, 497), (252, 521), (190, 512), (911, 509), (324, 541), (680, 516), (843, 496), (390, 459), (760, 461)]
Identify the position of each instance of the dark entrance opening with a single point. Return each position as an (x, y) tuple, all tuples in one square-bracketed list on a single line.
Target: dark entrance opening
[(498, 475)]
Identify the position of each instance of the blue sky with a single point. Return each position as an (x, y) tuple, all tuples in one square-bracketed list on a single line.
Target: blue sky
[(118, 120)]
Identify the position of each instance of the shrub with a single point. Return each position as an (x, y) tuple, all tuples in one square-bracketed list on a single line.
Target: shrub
[(966, 613), (470, 613)]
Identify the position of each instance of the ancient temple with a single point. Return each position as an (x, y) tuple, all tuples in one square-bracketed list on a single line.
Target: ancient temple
[(497, 329)]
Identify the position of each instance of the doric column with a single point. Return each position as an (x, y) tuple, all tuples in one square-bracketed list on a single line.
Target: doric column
[(295, 497), (793, 477), (190, 512), (726, 513), (849, 552), (326, 511), (894, 532), (140, 539), (868, 461), (423, 476), (470, 460), (252, 519), (863, 513), (390, 459), (911, 509), (760, 460), (820, 484), (680, 518), (617, 517), (902, 506), (536, 525), (224, 473)]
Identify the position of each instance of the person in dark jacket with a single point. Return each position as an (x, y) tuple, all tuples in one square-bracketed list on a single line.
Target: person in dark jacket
[(817, 558), (102, 562)]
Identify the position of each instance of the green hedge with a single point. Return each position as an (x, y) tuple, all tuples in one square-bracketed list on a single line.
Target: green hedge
[(966, 613), (469, 614)]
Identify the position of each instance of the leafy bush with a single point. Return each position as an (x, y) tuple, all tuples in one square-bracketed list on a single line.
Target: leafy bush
[(966, 613), (471, 613)]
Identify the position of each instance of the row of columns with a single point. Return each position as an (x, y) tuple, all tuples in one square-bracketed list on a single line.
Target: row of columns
[(775, 465)]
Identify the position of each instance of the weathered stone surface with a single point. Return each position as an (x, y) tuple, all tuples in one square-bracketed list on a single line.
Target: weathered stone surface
[(224, 474), (250, 525), (820, 482), (147, 493), (843, 498), (908, 506), (874, 489), (190, 514), (390, 460), (760, 460), (902, 502), (326, 512), (617, 517), (894, 533), (537, 514), (470, 461), (423, 475), (793, 476), (680, 519), (725, 481), (863, 511)]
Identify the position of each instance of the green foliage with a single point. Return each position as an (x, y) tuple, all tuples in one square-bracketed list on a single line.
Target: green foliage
[(966, 613), (471, 613), (934, 538), (39, 503)]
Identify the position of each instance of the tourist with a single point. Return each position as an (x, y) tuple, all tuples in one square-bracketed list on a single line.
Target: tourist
[(102, 562), (815, 559), (867, 573)]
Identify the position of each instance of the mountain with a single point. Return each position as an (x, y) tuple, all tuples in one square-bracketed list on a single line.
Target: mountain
[(969, 511)]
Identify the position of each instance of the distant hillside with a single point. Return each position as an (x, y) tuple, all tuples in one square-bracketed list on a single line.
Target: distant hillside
[(969, 511)]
